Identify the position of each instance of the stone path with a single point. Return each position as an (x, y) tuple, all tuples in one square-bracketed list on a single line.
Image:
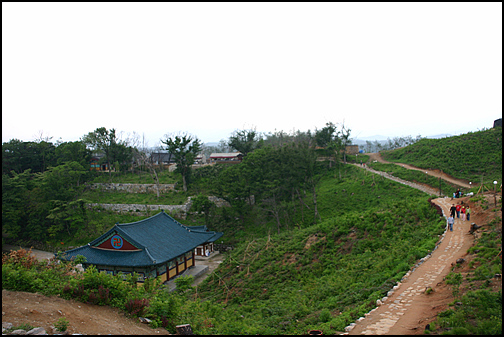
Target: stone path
[(409, 295)]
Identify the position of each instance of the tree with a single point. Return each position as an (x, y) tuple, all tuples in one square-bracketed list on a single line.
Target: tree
[(20, 156), (69, 216), (117, 152), (184, 148), (334, 141), (245, 141), (16, 193), (62, 182), (73, 151), (201, 204), (345, 140), (326, 136), (143, 157)]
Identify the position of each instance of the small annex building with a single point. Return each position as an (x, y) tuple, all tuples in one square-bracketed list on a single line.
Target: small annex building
[(158, 246), (234, 157), (208, 247)]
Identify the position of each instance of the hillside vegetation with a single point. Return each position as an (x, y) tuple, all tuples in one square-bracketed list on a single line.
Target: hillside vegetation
[(320, 244), (474, 156), (327, 275)]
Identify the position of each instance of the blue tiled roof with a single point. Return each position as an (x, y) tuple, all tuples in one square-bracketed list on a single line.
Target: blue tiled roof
[(159, 238), (203, 229)]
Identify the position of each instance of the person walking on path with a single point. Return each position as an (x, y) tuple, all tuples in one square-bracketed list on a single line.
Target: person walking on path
[(468, 213), (452, 210), (451, 221), (457, 208), (463, 212)]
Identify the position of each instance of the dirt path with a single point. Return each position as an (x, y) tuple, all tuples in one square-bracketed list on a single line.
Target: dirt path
[(408, 309), (422, 187), (39, 254), (434, 173)]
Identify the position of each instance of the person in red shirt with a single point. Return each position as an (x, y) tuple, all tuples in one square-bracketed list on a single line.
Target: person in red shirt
[(463, 212), (457, 208)]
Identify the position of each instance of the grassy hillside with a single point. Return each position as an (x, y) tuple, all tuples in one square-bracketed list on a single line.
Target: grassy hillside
[(473, 156), (370, 232), (327, 275)]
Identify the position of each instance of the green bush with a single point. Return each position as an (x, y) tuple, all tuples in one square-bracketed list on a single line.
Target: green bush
[(62, 324)]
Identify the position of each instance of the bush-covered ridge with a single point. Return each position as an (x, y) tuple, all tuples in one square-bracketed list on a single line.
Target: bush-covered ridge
[(472, 156)]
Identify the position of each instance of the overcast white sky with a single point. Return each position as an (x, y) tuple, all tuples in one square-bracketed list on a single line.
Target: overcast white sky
[(392, 69)]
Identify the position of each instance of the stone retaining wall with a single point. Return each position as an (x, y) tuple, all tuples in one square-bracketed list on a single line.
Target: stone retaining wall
[(139, 208), (133, 188), (175, 210)]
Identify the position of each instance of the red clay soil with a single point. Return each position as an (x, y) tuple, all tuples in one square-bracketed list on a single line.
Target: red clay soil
[(41, 311)]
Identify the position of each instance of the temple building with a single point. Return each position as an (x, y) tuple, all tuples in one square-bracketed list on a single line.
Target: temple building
[(158, 246)]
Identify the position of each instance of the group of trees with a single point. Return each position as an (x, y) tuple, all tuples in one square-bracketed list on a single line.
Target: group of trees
[(42, 182), (278, 174), (390, 144)]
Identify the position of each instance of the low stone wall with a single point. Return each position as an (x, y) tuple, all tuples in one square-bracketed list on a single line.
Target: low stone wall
[(219, 202), (175, 210), (133, 188), (142, 209)]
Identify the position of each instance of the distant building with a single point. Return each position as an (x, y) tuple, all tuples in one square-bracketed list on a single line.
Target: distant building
[(498, 123), (234, 157), (200, 159), (208, 247), (352, 149), (96, 163), (162, 158)]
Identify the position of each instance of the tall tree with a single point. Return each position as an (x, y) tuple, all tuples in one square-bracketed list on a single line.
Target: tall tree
[(345, 140), (20, 156), (184, 148), (73, 151), (245, 141), (117, 152)]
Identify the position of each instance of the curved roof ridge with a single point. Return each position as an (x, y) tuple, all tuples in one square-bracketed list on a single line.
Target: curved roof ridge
[(139, 221), (172, 219), (149, 255)]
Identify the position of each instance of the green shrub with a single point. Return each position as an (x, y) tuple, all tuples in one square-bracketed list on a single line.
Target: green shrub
[(62, 324)]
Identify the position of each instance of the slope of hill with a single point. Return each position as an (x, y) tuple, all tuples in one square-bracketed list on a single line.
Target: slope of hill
[(327, 275), (475, 156), (370, 233)]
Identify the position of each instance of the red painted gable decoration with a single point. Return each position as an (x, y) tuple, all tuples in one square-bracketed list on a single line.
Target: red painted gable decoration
[(116, 242)]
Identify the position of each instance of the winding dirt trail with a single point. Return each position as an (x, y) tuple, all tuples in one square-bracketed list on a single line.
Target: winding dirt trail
[(434, 173), (408, 308)]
